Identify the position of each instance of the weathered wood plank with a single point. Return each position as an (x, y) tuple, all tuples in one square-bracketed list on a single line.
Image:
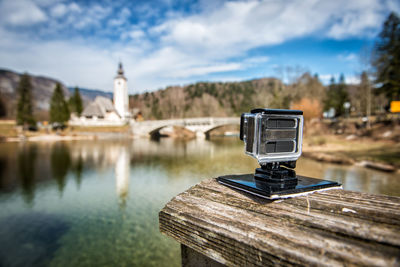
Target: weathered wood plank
[(334, 227)]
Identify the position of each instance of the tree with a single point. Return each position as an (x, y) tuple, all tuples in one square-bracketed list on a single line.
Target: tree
[(59, 111), (364, 94), (387, 58), (336, 96), (330, 95), (3, 108), (75, 102), (311, 108), (24, 105), (341, 96)]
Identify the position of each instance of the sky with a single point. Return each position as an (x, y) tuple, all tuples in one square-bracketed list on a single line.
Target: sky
[(165, 42)]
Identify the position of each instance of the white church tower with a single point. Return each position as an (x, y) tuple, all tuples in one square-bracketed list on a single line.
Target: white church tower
[(121, 100)]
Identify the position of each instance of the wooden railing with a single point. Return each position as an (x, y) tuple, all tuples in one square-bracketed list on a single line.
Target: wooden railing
[(217, 225)]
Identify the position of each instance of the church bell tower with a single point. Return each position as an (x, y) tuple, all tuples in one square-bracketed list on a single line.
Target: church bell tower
[(121, 101)]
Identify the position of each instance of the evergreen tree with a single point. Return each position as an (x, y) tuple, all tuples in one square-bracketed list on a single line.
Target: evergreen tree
[(341, 96), (75, 102), (330, 95), (336, 96), (24, 105), (59, 111), (364, 95), (387, 58), (3, 109)]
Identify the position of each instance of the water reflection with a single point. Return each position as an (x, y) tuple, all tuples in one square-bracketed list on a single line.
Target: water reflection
[(26, 170), (96, 203), (60, 164), (41, 162), (122, 174), (77, 168)]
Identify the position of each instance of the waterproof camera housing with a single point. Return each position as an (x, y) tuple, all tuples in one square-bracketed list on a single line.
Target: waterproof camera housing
[(274, 137)]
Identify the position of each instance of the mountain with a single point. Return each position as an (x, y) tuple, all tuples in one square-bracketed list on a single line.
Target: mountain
[(90, 94), (43, 88), (42, 91)]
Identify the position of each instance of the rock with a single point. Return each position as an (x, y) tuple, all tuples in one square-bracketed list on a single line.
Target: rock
[(328, 158), (377, 166), (351, 137), (387, 134)]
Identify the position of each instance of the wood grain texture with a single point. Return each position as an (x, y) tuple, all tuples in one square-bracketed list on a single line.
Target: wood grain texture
[(335, 227)]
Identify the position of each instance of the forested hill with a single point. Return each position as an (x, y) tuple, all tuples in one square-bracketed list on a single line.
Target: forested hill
[(42, 90), (219, 99)]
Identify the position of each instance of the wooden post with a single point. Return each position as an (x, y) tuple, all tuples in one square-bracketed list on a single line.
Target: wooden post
[(334, 227)]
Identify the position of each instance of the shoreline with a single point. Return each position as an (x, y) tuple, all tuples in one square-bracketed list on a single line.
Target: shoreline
[(328, 158), (320, 153), (67, 137)]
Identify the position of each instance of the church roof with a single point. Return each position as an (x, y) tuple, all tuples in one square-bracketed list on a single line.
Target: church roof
[(99, 107), (92, 110), (105, 103)]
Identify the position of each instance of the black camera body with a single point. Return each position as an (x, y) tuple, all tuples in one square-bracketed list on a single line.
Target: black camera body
[(274, 137)]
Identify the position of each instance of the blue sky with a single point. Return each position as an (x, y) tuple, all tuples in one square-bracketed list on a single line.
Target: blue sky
[(169, 42)]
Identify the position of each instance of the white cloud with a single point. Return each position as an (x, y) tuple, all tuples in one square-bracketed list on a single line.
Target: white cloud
[(202, 70), (347, 57), (352, 79), (176, 47), (237, 27), (256, 60), (326, 78), (121, 17), (58, 10), (358, 18), (21, 13)]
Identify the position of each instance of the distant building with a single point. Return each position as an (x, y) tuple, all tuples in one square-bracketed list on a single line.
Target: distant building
[(102, 112)]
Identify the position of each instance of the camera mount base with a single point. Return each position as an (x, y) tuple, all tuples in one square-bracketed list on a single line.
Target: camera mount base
[(256, 184)]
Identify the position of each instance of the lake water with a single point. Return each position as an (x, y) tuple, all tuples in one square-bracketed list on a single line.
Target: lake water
[(96, 203)]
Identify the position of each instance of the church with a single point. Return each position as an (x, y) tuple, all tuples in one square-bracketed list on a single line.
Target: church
[(103, 112)]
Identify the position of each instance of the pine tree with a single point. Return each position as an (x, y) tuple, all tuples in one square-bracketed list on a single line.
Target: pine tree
[(387, 58), (24, 105), (364, 95), (336, 96), (330, 95), (341, 96), (59, 111), (3, 108), (75, 102)]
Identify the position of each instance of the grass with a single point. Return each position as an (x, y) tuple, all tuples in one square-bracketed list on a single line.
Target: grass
[(7, 128), (102, 129)]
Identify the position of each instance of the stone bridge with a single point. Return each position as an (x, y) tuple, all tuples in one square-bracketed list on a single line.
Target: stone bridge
[(200, 126)]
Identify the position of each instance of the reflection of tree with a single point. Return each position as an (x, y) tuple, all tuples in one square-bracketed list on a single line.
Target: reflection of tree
[(3, 167), (60, 164), (26, 171), (77, 167)]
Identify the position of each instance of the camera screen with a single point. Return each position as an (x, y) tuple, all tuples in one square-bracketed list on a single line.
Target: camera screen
[(279, 135)]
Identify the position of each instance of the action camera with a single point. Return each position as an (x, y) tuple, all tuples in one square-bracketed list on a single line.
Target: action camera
[(274, 137)]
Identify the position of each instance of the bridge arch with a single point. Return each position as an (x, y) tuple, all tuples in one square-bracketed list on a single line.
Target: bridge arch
[(207, 133), (155, 133), (200, 126)]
